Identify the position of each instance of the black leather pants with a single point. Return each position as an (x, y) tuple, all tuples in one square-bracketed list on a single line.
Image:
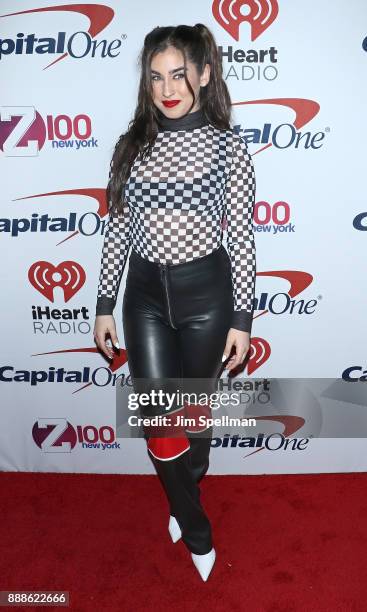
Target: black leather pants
[(176, 319)]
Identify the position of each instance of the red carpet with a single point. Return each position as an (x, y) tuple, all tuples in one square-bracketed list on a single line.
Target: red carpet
[(284, 543)]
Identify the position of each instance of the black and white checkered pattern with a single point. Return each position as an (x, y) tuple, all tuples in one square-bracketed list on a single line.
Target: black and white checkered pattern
[(176, 201), (240, 200)]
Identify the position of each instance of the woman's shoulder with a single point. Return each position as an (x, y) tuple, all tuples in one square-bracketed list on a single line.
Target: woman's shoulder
[(233, 140), (229, 133)]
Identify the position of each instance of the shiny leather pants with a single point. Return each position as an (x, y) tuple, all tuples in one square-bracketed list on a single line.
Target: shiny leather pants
[(176, 319)]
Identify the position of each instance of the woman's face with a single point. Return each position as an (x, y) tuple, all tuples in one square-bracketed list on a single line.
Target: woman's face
[(170, 93)]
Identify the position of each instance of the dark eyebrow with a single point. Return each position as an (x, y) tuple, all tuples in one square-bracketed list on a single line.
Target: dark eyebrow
[(171, 71)]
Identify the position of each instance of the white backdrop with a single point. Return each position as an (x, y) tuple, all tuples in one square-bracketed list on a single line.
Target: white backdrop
[(301, 106)]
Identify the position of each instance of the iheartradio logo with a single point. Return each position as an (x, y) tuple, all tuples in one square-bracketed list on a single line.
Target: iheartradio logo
[(259, 352), (260, 14), (44, 277)]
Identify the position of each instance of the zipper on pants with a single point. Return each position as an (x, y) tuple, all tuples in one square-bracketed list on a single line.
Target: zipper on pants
[(164, 273)]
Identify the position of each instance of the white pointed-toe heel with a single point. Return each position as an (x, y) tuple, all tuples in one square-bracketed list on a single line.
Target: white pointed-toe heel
[(204, 563), (174, 529)]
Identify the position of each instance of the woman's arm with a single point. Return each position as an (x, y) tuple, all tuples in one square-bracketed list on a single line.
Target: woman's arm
[(115, 249), (240, 200)]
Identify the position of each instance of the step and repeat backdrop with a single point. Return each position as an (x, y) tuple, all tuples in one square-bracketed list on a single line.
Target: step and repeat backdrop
[(296, 72)]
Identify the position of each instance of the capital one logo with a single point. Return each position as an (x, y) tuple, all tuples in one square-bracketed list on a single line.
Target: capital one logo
[(260, 14), (80, 44), (360, 222), (260, 349), (44, 276), (272, 442)]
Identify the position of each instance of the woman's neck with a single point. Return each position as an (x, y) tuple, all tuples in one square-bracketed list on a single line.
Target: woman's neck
[(189, 121)]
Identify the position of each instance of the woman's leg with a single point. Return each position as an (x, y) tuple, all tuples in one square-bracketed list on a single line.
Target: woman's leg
[(201, 300), (205, 316), (154, 354)]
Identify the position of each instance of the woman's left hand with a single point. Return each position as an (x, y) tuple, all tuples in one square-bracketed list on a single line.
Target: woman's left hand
[(241, 341)]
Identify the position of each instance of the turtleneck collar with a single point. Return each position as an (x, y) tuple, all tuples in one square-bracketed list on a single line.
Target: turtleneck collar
[(189, 121)]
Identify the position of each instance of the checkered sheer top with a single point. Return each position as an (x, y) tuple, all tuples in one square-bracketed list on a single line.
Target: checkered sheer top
[(198, 183)]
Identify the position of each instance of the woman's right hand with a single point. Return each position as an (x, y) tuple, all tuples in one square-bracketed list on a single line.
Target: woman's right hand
[(105, 324)]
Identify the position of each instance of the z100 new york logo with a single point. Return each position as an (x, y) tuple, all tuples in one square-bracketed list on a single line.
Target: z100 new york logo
[(24, 132)]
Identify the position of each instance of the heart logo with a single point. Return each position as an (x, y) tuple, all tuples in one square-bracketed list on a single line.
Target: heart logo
[(44, 277), (260, 15)]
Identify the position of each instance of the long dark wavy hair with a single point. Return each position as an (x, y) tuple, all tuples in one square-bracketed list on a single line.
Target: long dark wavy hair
[(197, 44)]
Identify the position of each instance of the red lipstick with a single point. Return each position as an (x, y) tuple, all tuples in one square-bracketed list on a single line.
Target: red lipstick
[(170, 103)]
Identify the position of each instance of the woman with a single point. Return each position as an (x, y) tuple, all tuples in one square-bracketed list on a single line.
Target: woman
[(176, 175)]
